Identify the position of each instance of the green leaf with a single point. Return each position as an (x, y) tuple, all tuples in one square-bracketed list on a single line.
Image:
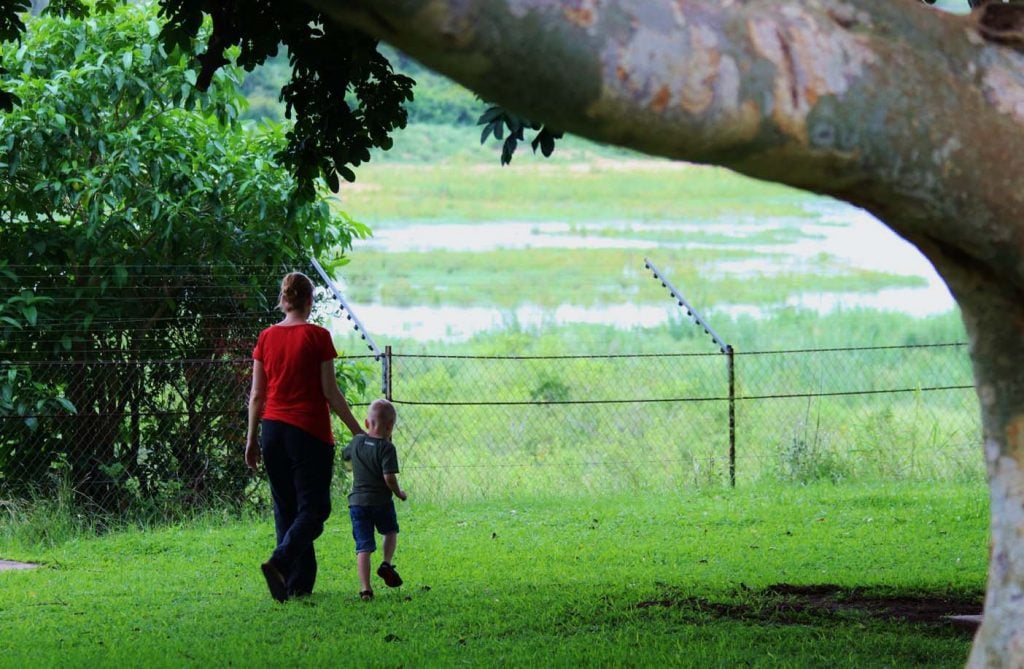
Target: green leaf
[(493, 113), (30, 314)]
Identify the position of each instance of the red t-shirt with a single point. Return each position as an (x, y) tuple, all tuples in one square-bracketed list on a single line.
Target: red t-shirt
[(291, 356)]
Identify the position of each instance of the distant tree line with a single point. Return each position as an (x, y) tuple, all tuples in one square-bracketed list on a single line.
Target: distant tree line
[(437, 100)]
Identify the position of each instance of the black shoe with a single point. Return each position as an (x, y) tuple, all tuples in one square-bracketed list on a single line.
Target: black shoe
[(275, 581), (366, 595), (387, 572)]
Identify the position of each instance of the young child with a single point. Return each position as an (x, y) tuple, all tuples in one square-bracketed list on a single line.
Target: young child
[(374, 468)]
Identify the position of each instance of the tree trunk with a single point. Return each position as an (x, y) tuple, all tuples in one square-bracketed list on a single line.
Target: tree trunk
[(892, 106)]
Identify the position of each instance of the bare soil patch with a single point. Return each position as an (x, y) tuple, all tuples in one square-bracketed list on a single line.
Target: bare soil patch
[(803, 604), (11, 564)]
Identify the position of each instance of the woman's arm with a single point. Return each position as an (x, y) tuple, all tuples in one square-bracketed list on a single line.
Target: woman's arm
[(336, 399), (257, 399)]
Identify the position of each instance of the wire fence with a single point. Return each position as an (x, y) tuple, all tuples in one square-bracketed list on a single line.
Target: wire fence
[(124, 389), (157, 435), (471, 426)]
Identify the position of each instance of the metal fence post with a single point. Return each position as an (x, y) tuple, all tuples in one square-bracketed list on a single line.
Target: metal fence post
[(731, 358), (386, 363), (722, 347)]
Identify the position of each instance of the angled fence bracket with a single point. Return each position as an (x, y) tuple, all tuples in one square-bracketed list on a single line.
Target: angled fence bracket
[(722, 346), (357, 325)]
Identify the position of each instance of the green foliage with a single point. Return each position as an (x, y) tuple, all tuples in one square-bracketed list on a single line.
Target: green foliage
[(131, 203), (262, 89), (496, 119), (803, 460), (345, 95), (438, 101), (550, 389), (11, 25)]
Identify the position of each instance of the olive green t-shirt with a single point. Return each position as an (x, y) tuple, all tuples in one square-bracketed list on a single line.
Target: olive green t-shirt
[(372, 458)]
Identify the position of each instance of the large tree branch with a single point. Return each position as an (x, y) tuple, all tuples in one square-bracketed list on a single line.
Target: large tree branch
[(893, 106)]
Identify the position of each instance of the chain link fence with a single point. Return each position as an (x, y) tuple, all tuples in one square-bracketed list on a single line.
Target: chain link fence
[(482, 426), (156, 434), (138, 434), (125, 390)]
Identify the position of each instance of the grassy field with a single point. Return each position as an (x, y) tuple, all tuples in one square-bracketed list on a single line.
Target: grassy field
[(550, 277), (692, 221), (597, 189), (801, 576), (700, 220)]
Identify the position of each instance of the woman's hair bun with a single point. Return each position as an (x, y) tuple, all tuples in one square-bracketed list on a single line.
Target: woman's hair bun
[(296, 292)]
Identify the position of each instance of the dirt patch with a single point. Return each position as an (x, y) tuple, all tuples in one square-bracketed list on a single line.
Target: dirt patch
[(10, 564), (803, 604)]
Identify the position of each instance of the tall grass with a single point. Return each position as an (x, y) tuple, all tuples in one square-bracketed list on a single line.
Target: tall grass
[(44, 518), (643, 423)]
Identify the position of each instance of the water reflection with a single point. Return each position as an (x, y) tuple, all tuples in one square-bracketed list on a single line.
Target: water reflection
[(844, 234)]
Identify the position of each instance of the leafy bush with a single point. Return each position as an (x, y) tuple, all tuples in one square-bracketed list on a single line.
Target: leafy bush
[(131, 204)]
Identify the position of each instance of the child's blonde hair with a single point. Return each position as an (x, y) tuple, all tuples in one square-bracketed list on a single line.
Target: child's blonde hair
[(383, 413)]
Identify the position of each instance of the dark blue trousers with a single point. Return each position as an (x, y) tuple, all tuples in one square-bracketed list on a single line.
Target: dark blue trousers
[(299, 467)]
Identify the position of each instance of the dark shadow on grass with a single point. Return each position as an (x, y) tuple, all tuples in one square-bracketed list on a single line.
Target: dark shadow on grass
[(785, 604)]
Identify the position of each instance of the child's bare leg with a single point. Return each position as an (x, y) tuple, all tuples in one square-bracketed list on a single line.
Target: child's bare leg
[(363, 563), (390, 543)]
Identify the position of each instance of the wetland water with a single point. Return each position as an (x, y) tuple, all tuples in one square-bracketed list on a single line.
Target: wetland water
[(850, 236)]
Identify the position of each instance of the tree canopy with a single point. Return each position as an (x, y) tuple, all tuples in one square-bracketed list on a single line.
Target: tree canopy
[(342, 93), (131, 203)]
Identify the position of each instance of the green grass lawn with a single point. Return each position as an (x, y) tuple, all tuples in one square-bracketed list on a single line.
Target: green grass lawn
[(681, 579)]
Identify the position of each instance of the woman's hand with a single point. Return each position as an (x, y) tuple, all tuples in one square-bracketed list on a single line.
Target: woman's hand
[(252, 455), (257, 398)]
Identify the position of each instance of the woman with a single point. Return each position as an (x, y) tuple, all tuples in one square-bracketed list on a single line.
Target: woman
[(293, 388)]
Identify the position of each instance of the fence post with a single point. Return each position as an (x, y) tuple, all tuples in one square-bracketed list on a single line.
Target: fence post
[(722, 347), (378, 355), (731, 358), (387, 372)]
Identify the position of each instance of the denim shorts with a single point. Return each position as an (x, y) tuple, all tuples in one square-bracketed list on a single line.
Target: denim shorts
[(366, 518)]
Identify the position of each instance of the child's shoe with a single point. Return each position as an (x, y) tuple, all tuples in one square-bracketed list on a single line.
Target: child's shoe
[(387, 572), (366, 595)]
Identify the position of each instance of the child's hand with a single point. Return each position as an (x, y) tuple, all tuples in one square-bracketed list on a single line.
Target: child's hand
[(401, 494)]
